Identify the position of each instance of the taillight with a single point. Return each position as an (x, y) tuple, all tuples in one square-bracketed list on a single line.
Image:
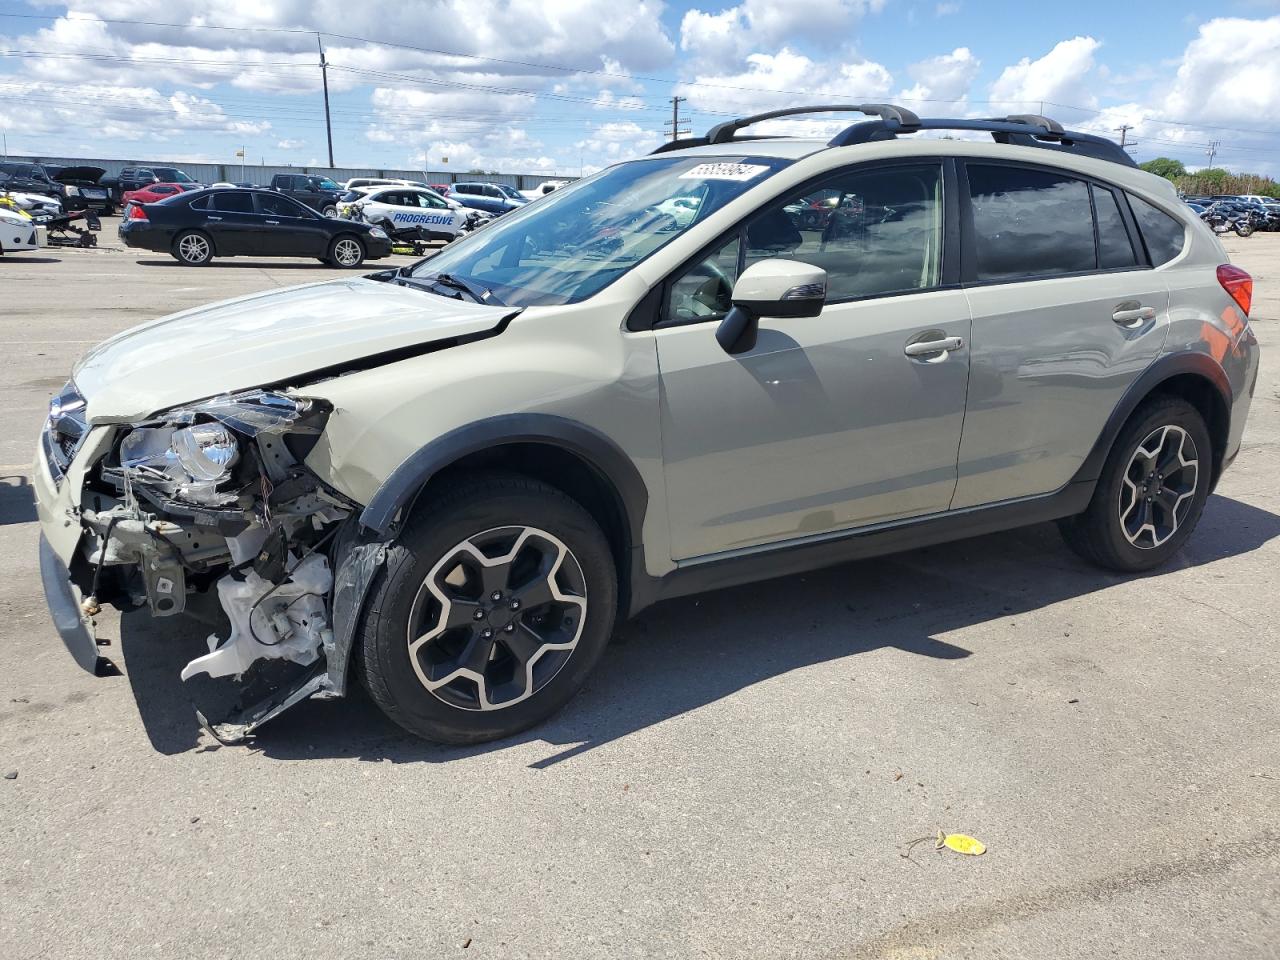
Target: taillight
[(137, 213), (1238, 284)]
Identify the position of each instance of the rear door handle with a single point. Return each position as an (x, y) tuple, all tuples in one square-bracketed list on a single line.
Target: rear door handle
[(213, 218), (923, 348), (1133, 312), (276, 222)]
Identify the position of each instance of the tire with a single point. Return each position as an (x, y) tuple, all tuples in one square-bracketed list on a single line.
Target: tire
[(498, 514), (1244, 229), (346, 251), (1117, 531), (193, 248), (329, 211)]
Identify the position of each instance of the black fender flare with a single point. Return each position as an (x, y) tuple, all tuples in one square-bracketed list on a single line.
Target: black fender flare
[(1164, 368), (598, 451)]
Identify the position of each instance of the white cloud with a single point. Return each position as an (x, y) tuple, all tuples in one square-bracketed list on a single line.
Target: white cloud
[(946, 9), (288, 144), (771, 81), (942, 83), (732, 34), (1230, 72), (1061, 76)]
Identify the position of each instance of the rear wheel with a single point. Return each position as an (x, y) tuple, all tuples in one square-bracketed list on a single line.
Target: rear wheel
[(494, 606), (193, 248), (346, 251), (1151, 492)]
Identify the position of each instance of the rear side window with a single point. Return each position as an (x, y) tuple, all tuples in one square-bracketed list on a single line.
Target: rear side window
[(1162, 234), (1115, 249), (1029, 223), (232, 202)]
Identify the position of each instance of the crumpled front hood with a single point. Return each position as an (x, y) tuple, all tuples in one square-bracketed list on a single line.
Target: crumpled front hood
[(266, 338)]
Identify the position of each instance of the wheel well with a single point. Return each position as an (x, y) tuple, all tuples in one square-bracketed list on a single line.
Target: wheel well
[(1206, 398), (567, 472)]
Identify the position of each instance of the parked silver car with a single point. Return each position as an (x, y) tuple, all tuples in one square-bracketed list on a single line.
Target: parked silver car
[(459, 475)]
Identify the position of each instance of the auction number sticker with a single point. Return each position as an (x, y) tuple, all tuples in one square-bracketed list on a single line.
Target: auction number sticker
[(724, 171)]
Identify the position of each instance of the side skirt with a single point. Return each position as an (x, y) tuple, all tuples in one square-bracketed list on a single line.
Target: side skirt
[(813, 553)]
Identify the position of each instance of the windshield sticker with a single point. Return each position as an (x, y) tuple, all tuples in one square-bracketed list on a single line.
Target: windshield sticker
[(740, 172)]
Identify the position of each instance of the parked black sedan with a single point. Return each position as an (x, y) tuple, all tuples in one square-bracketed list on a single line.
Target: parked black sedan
[(196, 226)]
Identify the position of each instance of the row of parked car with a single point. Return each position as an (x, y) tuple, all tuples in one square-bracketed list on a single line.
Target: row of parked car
[(1255, 211), (84, 187)]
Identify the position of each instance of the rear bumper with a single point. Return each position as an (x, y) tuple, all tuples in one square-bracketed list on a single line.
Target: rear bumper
[(143, 235)]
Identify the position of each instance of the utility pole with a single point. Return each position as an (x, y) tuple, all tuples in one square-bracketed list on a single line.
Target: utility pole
[(1213, 150), (324, 78), (1124, 129), (674, 122)]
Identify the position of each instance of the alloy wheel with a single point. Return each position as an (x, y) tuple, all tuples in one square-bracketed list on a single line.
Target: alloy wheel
[(193, 248), (1158, 487), (496, 618), (347, 252)]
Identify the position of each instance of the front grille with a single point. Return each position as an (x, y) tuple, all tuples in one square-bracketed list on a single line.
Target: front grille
[(64, 430)]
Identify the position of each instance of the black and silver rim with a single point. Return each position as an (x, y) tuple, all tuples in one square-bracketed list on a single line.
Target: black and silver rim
[(1159, 487), (496, 618), (193, 248), (347, 252)]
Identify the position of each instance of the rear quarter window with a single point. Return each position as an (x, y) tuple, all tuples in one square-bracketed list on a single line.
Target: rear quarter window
[(1164, 235)]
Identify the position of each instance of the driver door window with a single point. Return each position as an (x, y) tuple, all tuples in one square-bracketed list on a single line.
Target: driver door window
[(874, 231)]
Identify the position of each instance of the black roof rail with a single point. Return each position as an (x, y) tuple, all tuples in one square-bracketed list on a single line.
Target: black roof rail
[(1024, 130), (901, 117), (1020, 129)]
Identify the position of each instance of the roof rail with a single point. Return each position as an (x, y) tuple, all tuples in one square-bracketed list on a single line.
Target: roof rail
[(898, 118), (1021, 129), (901, 117), (1024, 130)]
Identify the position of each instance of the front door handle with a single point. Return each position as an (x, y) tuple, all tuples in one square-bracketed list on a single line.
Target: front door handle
[(923, 348), (1131, 312), (274, 222), (213, 218)]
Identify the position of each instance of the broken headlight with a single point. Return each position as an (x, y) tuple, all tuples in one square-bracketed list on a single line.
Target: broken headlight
[(191, 453), (185, 461)]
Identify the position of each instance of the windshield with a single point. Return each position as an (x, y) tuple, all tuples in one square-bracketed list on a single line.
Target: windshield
[(575, 242), (510, 192), (171, 175), (324, 183)]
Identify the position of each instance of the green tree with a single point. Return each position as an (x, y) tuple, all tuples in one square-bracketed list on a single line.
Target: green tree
[(1164, 167), (1214, 175)]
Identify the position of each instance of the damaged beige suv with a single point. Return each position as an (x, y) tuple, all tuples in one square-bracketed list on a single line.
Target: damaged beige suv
[(734, 359)]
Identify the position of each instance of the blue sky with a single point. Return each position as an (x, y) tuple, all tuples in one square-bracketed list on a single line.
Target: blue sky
[(542, 86)]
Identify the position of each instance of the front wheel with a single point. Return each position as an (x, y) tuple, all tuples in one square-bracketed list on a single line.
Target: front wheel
[(346, 252), (1151, 492), (193, 248), (329, 211), (1244, 229), (494, 605)]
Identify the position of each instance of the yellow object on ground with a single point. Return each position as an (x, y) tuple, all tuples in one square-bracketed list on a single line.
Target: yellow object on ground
[(961, 844)]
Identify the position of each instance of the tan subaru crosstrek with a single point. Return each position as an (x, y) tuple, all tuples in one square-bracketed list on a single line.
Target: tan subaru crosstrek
[(734, 359)]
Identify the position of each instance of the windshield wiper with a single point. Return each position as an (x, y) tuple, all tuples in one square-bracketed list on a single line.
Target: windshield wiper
[(476, 293)]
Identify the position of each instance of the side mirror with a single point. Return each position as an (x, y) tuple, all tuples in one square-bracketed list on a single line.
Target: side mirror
[(770, 288)]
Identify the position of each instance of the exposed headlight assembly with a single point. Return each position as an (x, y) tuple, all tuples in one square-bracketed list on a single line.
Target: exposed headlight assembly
[(191, 453), (378, 233)]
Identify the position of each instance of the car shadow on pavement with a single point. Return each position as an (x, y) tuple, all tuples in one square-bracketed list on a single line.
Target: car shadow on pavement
[(683, 654), (223, 262), (17, 504)]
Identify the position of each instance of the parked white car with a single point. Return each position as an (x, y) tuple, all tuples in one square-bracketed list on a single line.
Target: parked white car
[(397, 208), (542, 189), (17, 233)]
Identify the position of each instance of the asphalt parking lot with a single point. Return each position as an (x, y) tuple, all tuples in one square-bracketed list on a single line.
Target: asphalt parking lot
[(741, 777)]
